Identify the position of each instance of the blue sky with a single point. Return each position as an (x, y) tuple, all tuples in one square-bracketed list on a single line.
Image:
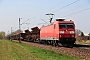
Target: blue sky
[(35, 10)]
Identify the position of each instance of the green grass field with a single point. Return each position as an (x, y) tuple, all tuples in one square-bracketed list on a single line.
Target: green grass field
[(17, 51)]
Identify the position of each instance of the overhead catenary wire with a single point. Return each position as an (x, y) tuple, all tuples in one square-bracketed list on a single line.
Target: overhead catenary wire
[(77, 12), (51, 9), (24, 22), (76, 7), (44, 21), (57, 4), (66, 6), (62, 8)]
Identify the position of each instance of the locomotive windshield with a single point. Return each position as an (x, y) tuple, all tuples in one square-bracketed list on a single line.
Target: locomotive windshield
[(66, 26), (70, 26), (62, 25)]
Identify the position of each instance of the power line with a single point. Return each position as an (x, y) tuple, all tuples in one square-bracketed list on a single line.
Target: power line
[(66, 6), (52, 8), (61, 8), (76, 8), (57, 4), (44, 21), (24, 22), (77, 12)]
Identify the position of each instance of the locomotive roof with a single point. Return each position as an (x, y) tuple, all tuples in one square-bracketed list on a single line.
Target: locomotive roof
[(60, 21), (65, 21)]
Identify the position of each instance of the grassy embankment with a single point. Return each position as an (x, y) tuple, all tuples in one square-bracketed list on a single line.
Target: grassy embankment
[(18, 51)]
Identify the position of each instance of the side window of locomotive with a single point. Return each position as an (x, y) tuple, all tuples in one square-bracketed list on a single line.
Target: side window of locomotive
[(70, 26), (62, 26), (54, 26)]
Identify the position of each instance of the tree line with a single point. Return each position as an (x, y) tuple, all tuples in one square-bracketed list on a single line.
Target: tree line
[(2, 35)]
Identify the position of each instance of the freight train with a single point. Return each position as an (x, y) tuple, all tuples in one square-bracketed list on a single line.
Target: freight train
[(56, 33)]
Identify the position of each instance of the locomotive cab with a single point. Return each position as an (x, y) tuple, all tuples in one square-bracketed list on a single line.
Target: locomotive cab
[(67, 33)]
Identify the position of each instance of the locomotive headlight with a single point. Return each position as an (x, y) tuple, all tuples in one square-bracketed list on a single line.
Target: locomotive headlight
[(61, 32), (71, 32)]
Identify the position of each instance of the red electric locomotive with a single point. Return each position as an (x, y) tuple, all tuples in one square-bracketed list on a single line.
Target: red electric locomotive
[(59, 32)]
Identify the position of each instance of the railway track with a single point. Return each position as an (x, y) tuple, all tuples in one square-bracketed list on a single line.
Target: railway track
[(80, 51)]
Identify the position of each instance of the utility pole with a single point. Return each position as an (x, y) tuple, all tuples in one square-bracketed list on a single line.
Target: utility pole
[(11, 33), (19, 31), (8, 35), (20, 28)]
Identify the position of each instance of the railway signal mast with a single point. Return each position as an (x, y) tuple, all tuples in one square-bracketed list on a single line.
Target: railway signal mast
[(51, 16)]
